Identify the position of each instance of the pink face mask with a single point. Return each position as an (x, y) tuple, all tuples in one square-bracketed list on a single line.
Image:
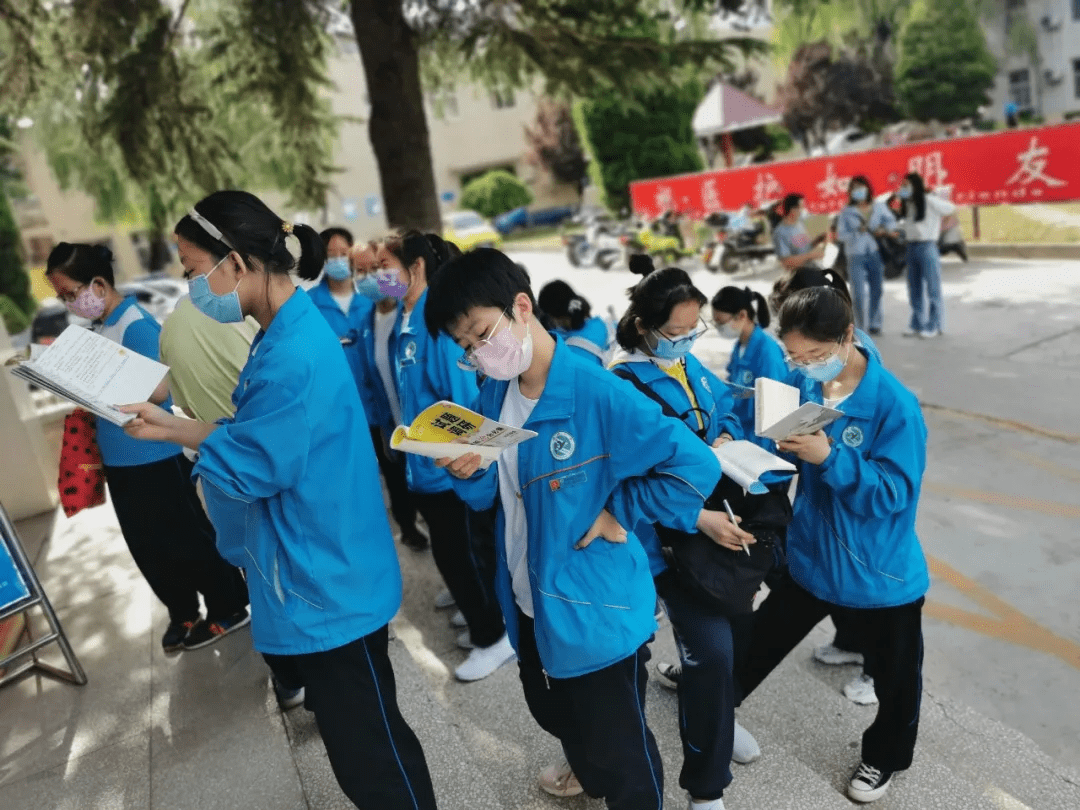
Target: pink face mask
[(390, 284), (503, 356), (87, 304)]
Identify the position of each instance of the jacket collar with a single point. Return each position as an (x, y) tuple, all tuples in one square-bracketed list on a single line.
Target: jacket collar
[(557, 399), (416, 317), (298, 306), (863, 401)]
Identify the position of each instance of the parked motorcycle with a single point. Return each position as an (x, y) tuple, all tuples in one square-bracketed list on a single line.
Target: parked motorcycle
[(661, 239), (736, 240)]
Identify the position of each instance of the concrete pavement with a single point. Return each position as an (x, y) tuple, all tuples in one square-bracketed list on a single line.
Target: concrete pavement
[(1000, 504)]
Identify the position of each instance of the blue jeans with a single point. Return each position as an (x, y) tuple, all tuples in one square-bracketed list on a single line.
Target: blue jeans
[(924, 269), (866, 271), (706, 690)]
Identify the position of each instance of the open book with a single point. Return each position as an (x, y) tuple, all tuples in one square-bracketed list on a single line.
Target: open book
[(94, 372), (446, 430), (777, 413), (745, 463)]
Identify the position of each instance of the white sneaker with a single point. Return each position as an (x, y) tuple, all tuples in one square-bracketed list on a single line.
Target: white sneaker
[(745, 748), (868, 784), (458, 620), (830, 654), (444, 599), (559, 780), (930, 333), (464, 640), (861, 690), (482, 661), (911, 332), (712, 804)]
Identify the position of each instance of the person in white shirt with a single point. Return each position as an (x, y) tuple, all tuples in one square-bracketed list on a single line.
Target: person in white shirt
[(922, 214)]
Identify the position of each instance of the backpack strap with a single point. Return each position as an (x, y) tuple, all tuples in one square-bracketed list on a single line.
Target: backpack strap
[(624, 373)]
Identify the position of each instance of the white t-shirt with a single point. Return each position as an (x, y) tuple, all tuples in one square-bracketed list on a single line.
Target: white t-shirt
[(516, 410), (835, 402), (930, 228), (344, 300), (384, 325)]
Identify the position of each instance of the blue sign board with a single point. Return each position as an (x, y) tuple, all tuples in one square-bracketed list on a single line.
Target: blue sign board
[(373, 205), (448, 196), (349, 208), (12, 585)]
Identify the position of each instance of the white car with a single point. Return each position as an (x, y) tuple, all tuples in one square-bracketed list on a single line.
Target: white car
[(847, 140)]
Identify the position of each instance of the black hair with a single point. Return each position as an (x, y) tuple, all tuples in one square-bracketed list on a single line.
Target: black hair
[(255, 232), (484, 277), (652, 300), (805, 278), (81, 262), (734, 300), (861, 179), (330, 233), (818, 313), (918, 197), (790, 203), (413, 245), (558, 299)]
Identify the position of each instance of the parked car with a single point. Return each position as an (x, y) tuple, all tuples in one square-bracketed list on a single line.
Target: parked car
[(851, 139), (156, 294), (50, 320), (524, 218), (468, 230)]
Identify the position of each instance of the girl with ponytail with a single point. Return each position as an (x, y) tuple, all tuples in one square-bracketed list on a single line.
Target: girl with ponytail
[(292, 487), (570, 316), (742, 314)]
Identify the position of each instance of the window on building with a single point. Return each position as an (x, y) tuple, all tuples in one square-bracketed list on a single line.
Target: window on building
[(1076, 9), (1020, 88), (502, 99), (1014, 9), (1076, 77)]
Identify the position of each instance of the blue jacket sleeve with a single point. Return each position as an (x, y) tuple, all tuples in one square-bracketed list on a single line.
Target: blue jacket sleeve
[(887, 480), (667, 472), (773, 366), (143, 337), (481, 490), (725, 403), (882, 217), (846, 226), (264, 450)]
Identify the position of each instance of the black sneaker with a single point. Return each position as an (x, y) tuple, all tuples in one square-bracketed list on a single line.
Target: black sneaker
[(868, 784), (287, 698), (175, 635), (206, 632), (670, 674), (413, 538)]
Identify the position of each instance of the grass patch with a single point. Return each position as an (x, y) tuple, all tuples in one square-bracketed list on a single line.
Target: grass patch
[(1008, 224)]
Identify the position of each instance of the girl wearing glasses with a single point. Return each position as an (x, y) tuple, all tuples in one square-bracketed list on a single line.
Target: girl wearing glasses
[(656, 335), (851, 546)]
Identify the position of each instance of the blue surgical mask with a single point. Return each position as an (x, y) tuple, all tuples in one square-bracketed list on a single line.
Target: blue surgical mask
[(222, 308), (337, 268), (858, 194), (674, 349), (826, 370), (904, 193), (369, 288)]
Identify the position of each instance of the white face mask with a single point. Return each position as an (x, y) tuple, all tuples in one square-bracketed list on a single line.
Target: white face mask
[(729, 330)]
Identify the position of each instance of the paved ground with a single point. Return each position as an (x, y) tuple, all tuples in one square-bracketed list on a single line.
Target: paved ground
[(1003, 628)]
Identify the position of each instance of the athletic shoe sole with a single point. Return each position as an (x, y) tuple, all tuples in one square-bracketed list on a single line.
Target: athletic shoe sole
[(220, 636)]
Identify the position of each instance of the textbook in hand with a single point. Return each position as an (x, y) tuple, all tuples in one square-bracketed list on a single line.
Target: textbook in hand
[(94, 372), (446, 430), (778, 415)]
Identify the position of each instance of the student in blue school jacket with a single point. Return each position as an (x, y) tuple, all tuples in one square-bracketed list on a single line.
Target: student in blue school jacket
[(743, 315), (579, 610), (851, 546), (656, 335), (425, 370), (295, 496), (570, 316)]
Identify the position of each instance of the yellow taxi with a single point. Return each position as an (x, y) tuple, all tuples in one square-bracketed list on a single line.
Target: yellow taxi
[(468, 230)]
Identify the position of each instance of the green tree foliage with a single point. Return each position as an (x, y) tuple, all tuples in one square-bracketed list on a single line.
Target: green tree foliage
[(16, 301), (648, 135), (945, 71), (494, 193)]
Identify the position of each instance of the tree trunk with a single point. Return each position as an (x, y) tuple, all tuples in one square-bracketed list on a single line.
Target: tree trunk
[(398, 124)]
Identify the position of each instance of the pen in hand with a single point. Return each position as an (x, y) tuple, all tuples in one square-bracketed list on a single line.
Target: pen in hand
[(731, 515)]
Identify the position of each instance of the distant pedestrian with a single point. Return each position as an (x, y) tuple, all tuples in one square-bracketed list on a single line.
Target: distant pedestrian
[(793, 245), (861, 220), (570, 316), (922, 213)]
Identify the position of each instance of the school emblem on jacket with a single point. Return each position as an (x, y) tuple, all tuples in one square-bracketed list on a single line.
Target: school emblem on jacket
[(562, 446), (705, 384), (747, 377), (852, 436), (410, 349)]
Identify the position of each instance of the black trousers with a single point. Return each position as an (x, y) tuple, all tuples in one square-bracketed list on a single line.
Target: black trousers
[(172, 541), (471, 583), (600, 720), (892, 645), (376, 757), (402, 502), (847, 633)]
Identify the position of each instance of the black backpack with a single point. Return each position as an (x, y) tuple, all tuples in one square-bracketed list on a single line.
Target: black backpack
[(719, 578)]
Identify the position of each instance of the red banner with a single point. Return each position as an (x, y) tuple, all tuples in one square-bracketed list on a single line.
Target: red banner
[(1018, 166)]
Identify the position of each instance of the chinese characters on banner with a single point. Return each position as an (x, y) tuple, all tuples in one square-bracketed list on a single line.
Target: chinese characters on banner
[(1019, 166)]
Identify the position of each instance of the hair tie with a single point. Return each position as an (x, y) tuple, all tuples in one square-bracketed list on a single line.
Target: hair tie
[(574, 305), (286, 226)]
